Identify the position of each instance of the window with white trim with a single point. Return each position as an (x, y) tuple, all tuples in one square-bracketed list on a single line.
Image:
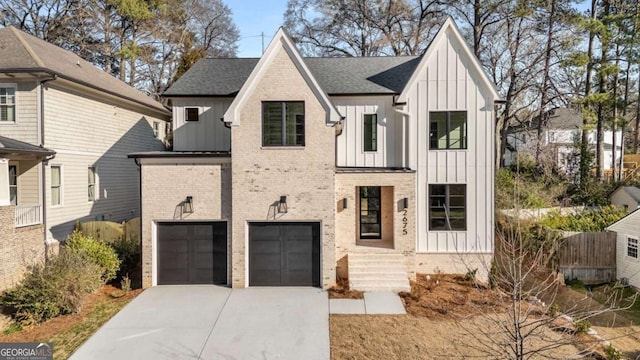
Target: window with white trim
[(56, 185), (91, 187), (7, 103), (156, 129), (13, 184), (632, 247)]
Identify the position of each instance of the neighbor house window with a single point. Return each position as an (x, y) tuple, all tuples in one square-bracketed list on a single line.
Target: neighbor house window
[(447, 205), (7, 103), (370, 220), (632, 247), (56, 185), (191, 114), (91, 183), (370, 132), (448, 130), (13, 184), (283, 123), (156, 129)]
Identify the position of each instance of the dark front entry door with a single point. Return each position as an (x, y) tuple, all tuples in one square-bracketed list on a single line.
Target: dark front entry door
[(192, 253), (284, 254)]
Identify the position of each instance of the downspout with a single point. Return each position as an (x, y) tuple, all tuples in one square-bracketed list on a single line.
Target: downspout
[(139, 165), (43, 166)]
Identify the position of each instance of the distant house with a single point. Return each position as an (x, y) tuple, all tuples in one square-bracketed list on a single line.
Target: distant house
[(560, 129), (626, 197), (628, 240), (66, 128)]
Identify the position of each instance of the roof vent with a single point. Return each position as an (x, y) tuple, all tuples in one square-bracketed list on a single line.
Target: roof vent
[(78, 62)]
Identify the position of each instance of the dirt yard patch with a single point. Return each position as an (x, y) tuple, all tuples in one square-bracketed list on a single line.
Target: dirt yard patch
[(341, 291), (448, 317), (68, 332)]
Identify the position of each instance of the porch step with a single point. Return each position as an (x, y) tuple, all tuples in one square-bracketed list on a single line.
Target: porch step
[(378, 272)]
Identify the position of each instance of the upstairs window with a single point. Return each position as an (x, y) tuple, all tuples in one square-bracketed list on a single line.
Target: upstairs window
[(447, 205), (91, 188), (56, 185), (632, 247), (156, 129), (7, 104), (191, 114), (370, 132), (448, 130), (283, 123)]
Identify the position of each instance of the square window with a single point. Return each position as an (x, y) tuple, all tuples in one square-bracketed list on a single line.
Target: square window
[(191, 114), (447, 130), (283, 123), (447, 207)]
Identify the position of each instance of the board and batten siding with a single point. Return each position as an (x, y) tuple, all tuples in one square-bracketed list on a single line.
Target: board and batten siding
[(447, 83), (25, 128), (206, 134), (350, 144), (85, 132)]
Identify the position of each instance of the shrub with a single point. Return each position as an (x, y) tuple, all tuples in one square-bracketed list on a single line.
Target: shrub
[(582, 326), (53, 289), (589, 220), (128, 251), (100, 253), (612, 353)]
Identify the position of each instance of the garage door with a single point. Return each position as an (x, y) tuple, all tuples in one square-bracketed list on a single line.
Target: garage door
[(284, 254), (192, 253)]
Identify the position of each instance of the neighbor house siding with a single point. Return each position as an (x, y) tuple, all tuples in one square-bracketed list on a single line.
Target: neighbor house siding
[(209, 133), (447, 83), (84, 132), (620, 198), (28, 181), (627, 267), (26, 125), (305, 175), (350, 144)]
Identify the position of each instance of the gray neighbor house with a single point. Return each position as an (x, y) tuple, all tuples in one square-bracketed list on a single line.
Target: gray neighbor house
[(293, 171), (66, 128)]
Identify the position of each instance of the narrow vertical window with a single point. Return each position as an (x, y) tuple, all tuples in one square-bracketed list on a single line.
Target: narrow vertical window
[(370, 219), (447, 207), (632, 247), (7, 104), (448, 130), (156, 129), (370, 132), (56, 185), (13, 184), (91, 187)]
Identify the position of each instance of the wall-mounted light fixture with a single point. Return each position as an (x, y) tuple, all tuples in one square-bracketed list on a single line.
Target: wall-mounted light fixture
[(405, 203), (344, 203), (187, 205), (282, 205)]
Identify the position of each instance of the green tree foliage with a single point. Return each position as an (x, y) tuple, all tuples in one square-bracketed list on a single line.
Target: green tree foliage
[(99, 253)]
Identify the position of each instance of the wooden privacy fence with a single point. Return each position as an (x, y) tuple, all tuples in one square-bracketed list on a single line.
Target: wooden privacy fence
[(109, 231), (589, 257)]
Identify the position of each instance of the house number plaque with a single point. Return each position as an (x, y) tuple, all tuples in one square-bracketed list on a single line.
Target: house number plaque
[(405, 221)]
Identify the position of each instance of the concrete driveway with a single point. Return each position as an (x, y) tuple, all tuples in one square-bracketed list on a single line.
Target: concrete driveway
[(211, 322)]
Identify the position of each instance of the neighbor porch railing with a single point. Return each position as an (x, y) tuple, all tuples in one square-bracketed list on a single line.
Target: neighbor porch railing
[(27, 215)]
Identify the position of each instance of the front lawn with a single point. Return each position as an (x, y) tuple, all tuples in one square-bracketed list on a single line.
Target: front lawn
[(68, 332)]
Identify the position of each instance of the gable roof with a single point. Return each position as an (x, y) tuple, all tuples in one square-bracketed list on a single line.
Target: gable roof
[(25, 53), (632, 191), (633, 217), (336, 76), (449, 27), (10, 146), (554, 119), (283, 41)]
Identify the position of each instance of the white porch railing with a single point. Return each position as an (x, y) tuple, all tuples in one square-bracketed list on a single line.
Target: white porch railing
[(27, 215)]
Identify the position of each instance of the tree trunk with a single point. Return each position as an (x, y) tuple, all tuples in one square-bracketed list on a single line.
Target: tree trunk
[(544, 98), (585, 165)]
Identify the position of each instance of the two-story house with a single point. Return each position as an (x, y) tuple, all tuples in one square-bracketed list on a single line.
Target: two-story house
[(292, 171), (66, 128)]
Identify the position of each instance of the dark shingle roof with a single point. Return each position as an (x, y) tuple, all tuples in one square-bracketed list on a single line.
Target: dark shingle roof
[(555, 119), (633, 191), (12, 146), (22, 52), (336, 76)]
